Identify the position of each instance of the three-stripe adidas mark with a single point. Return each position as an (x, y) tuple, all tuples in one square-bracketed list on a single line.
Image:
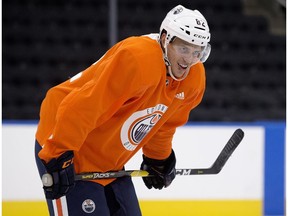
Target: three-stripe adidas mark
[(180, 96)]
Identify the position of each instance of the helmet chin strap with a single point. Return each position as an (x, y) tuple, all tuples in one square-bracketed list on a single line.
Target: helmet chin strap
[(168, 64)]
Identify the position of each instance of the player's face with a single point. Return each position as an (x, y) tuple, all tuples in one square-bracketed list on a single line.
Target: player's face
[(182, 55)]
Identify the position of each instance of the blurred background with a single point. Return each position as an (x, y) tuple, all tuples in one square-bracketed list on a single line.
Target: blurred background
[(44, 42), (47, 41)]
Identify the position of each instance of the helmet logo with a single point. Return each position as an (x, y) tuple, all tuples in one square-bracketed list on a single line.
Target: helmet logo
[(178, 10), (199, 36)]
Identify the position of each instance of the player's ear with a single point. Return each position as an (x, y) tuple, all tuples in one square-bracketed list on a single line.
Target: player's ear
[(162, 38)]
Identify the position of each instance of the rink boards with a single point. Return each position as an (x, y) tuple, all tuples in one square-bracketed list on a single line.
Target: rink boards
[(251, 183)]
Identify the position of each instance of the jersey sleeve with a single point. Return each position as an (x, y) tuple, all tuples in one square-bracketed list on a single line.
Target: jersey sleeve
[(87, 107)]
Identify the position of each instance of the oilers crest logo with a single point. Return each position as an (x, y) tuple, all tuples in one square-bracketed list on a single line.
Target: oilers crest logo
[(88, 206), (139, 124)]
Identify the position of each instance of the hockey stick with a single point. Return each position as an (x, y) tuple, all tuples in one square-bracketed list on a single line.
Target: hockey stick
[(217, 166)]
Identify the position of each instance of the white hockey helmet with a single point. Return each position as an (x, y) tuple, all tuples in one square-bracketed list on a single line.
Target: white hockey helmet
[(188, 25)]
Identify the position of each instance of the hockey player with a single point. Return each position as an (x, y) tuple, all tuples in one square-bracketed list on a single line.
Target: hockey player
[(133, 98)]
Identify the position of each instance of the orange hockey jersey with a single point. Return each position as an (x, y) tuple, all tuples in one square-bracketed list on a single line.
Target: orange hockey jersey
[(123, 102)]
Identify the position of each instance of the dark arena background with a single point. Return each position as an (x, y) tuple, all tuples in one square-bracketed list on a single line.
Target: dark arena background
[(46, 42)]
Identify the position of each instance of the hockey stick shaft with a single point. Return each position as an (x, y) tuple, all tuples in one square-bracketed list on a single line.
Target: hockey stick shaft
[(217, 166)]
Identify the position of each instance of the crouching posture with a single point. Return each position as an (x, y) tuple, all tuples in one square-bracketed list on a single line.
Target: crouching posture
[(132, 98)]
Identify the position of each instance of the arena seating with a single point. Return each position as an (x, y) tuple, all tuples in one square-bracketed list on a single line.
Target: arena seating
[(47, 41)]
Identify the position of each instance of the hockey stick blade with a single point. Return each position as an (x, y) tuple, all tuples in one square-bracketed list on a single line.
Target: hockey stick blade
[(222, 158), (217, 166), (227, 151)]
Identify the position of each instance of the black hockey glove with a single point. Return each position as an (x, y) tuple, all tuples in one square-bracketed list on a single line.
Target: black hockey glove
[(62, 172), (163, 170)]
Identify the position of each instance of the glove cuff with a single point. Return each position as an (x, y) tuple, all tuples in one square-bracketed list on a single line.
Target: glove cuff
[(62, 162)]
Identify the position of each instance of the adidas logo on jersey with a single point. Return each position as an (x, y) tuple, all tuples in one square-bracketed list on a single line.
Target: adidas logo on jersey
[(180, 96)]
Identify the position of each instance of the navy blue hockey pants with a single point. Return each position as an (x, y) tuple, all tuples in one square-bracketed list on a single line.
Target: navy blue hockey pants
[(91, 199)]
